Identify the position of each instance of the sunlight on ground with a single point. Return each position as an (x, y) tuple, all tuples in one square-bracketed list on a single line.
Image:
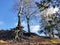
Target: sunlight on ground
[(55, 41), (1, 41)]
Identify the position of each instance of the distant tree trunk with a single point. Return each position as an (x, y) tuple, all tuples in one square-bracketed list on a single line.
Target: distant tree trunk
[(52, 34)]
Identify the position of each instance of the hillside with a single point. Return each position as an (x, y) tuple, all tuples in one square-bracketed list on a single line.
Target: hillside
[(6, 38)]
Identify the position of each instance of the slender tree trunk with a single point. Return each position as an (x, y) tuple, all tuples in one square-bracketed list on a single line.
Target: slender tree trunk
[(28, 15), (28, 25)]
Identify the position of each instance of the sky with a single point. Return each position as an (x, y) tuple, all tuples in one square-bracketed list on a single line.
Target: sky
[(7, 17)]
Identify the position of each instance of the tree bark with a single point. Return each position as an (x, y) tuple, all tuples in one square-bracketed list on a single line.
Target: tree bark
[(28, 25)]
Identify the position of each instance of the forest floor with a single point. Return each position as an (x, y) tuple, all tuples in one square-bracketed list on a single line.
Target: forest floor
[(33, 40)]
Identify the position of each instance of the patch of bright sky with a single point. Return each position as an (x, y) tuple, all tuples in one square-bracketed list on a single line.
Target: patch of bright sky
[(6, 14)]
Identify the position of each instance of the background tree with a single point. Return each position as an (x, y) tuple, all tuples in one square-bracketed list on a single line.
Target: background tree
[(48, 17)]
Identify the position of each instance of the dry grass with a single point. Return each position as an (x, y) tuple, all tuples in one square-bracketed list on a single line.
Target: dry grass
[(44, 42), (34, 40)]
